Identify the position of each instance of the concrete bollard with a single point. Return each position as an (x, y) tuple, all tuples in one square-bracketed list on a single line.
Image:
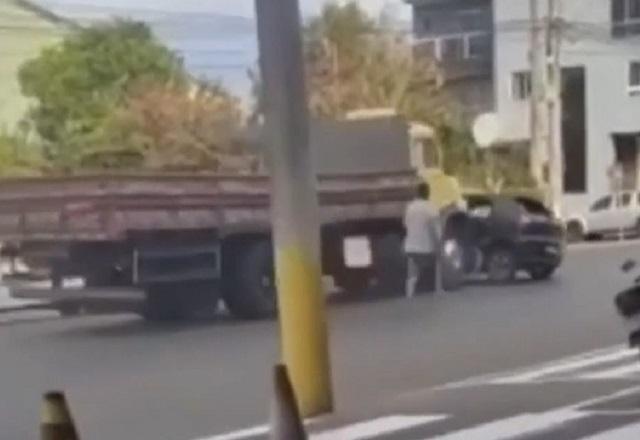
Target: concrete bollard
[(56, 422), (286, 423)]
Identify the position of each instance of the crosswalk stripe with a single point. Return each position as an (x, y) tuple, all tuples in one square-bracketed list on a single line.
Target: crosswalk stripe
[(377, 427), (254, 431), (629, 432), (613, 373), (356, 431), (518, 426), (566, 366)]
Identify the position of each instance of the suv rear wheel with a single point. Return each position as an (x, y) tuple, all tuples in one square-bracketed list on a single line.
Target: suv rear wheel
[(501, 265)]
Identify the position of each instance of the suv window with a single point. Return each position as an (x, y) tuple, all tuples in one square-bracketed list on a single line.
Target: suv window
[(601, 204)]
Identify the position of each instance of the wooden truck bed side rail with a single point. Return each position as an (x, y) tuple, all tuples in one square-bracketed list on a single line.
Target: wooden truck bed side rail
[(106, 207)]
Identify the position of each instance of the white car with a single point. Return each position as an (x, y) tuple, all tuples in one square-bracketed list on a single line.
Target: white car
[(611, 215)]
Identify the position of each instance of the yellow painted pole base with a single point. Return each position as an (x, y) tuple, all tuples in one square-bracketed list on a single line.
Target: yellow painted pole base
[(303, 326)]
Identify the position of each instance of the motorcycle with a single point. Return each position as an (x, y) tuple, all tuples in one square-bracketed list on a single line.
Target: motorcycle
[(627, 304)]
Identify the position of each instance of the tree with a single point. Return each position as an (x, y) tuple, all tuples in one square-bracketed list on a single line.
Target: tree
[(353, 63), (18, 157), (78, 83), (172, 127)]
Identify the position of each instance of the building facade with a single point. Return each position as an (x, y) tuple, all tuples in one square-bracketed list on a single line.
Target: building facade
[(459, 35), (600, 59), (25, 29)]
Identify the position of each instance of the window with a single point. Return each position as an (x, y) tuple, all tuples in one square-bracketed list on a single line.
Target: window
[(634, 76), (625, 200), (473, 20), (625, 17), (479, 46), (601, 204), (426, 24), (452, 49), (520, 86)]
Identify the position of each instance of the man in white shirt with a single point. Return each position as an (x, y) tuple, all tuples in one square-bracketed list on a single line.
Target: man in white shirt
[(422, 224)]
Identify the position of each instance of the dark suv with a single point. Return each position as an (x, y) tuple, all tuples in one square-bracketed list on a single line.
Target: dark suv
[(500, 236)]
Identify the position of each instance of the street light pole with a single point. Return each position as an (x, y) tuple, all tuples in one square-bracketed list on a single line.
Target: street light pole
[(295, 213), (553, 37), (537, 153)]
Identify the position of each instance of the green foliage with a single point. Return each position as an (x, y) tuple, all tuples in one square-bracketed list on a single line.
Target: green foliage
[(18, 157), (77, 84), (353, 64), (171, 127)]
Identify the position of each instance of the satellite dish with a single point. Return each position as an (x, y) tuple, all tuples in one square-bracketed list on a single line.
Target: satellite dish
[(486, 130)]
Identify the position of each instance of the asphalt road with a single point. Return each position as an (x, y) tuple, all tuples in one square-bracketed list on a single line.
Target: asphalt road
[(127, 380)]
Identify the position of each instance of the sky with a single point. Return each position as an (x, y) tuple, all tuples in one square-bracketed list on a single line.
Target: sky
[(231, 7)]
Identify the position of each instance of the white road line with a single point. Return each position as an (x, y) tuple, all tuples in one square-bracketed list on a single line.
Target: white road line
[(357, 431), (518, 426), (566, 366), (377, 427), (529, 424), (613, 373), (493, 378), (629, 432)]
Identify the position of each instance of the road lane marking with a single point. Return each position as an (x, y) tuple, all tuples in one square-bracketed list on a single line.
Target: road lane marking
[(627, 432), (518, 426), (621, 372), (555, 370), (377, 427), (524, 425), (357, 431), (241, 433), (567, 365)]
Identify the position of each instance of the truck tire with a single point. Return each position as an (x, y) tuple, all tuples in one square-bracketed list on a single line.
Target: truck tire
[(249, 290), (178, 301), (390, 265), (541, 273), (451, 265), (353, 281)]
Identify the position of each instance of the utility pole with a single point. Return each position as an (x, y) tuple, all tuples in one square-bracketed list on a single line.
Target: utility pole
[(537, 152), (553, 95), (295, 213)]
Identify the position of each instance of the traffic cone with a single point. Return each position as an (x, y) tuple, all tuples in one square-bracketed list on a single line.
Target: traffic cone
[(286, 423), (56, 422)]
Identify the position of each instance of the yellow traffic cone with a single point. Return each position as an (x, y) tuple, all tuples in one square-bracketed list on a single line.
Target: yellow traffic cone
[(286, 423), (56, 422)]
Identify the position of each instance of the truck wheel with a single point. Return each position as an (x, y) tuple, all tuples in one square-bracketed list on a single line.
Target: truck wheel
[(390, 265), (539, 273), (178, 301), (353, 281), (69, 309), (501, 265), (452, 265), (249, 281)]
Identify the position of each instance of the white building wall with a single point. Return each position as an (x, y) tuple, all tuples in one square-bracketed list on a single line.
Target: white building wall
[(610, 108)]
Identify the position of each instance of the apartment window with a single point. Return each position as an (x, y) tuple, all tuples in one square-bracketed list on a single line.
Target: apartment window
[(473, 20), (634, 77), (452, 49), (479, 46), (426, 24), (625, 17), (520, 86)]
